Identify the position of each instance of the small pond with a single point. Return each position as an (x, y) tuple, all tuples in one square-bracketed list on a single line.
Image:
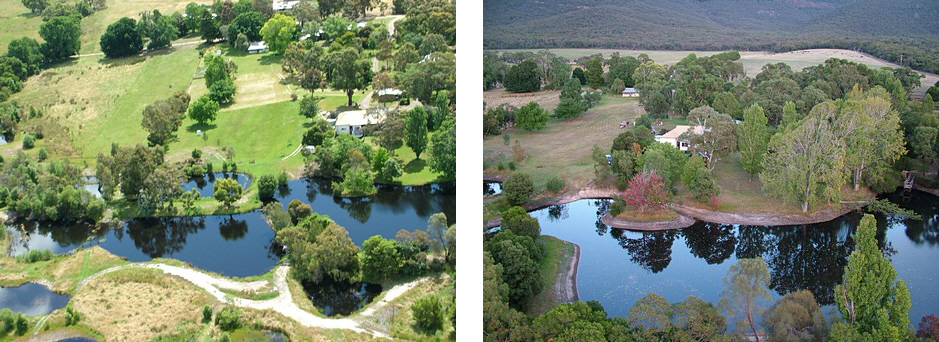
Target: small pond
[(618, 267), (342, 299), (31, 299), (243, 245), (206, 184), (492, 188)]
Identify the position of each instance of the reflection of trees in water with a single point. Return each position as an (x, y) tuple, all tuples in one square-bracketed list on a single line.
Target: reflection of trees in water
[(751, 241), (603, 207), (232, 229), (710, 241), (557, 212), (65, 235), (920, 231), (358, 208), (338, 298), (652, 251), (808, 257), (157, 237)]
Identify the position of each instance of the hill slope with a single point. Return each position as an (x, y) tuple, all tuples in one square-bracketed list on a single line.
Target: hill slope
[(697, 24)]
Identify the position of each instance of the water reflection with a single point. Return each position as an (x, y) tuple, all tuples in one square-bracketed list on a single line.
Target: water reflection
[(492, 188), (243, 245), (333, 298), (206, 184), (31, 299), (617, 267)]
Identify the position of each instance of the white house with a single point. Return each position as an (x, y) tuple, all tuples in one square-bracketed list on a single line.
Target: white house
[(353, 121), (258, 47), (280, 6), (673, 137), (630, 92)]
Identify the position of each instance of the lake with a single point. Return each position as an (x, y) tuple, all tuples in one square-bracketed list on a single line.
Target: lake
[(31, 299), (618, 267), (243, 245)]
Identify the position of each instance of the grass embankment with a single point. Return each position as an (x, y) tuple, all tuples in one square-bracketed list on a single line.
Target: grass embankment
[(398, 311), (554, 269), (415, 171)]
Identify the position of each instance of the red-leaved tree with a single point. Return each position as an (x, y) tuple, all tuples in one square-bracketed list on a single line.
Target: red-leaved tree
[(929, 328), (646, 191)]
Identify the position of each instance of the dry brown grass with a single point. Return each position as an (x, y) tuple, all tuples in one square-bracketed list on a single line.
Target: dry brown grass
[(547, 99), (139, 304), (563, 149)]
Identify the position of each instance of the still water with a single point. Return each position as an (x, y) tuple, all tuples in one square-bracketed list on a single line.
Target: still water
[(31, 299), (618, 267), (243, 245)]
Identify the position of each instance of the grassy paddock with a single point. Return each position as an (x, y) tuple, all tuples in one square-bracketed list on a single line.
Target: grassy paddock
[(16, 21), (563, 149)]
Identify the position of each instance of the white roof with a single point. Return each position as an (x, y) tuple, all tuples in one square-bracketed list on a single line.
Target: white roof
[(358, 118), (361, 24), (630, 90), (257, 46), (284, 5), (390, 91), (679, 130)]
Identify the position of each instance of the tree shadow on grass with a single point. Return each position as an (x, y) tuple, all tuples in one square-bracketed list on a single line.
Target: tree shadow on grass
[(205, 127), (415, 166), (271, 58)]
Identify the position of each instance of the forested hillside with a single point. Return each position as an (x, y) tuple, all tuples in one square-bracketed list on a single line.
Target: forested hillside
[(887, 29)]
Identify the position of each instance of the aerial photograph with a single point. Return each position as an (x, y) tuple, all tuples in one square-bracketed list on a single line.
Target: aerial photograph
[(710, 170), (227, 170)]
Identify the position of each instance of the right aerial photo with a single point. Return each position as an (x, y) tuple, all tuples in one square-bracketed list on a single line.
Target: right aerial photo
[(710, 170)]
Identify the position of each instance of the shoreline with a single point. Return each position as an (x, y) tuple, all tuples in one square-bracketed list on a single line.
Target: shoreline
[(571, 278)]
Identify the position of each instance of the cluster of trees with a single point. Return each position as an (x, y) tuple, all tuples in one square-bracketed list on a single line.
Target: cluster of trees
[(219, 77), (13, 322), (61, 35), (139, 174), (873, 304), (54, 193), (162, 118), (126, 36), (320, 250), (359, 164)]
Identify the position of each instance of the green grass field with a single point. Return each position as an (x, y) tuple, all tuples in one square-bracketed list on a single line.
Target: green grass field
[(16, 21)]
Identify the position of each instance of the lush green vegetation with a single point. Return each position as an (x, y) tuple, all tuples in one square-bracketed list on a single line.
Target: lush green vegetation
[(890, 31)]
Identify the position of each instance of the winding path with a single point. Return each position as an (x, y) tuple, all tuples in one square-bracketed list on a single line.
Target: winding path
[(282, 304)]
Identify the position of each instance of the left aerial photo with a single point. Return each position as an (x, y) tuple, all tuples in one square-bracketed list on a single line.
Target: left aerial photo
[(227, 170)]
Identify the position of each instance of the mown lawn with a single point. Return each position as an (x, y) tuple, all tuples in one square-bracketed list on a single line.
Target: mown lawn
[(416, 171)]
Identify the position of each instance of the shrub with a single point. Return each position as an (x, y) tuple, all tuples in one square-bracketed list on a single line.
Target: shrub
[(228, 319), (208, 167), (555, 184), (282, 179), (72, 316), (29, 142), (518, 188), (36, 256), (43, 155), (427, 313), (267, 185), (194, 171), (206, 314), (197, 154), (21, 325), (299, 210), (617, 207), (512, 165)]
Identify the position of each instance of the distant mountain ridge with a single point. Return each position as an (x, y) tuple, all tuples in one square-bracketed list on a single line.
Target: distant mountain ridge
[(702, 24)]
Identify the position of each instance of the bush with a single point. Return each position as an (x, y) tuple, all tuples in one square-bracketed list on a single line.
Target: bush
[(29, 142), (43, 155), (208, 167), (299, 210), (222, 92), (206, 314), (617, 207), (427, 313), (194, 171), (72, 316), (555, 184), (282, 179), (518, 188), (21, 325), (228, 319), (267, 185), (197, 154), (36, 256)]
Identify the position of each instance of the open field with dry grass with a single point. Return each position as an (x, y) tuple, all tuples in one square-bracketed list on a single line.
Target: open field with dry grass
[(754, 60), (564, 147), (547, 99), (93, 26), (16, 21)]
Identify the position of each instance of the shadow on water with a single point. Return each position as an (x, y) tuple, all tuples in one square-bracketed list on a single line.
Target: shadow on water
[(243, 245), (31, 299), (340, 299), (618, 267)]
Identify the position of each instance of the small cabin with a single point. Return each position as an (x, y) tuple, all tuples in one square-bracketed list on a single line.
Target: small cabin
[(630, 92), (674, 137), (258, 47), (354, 121)]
